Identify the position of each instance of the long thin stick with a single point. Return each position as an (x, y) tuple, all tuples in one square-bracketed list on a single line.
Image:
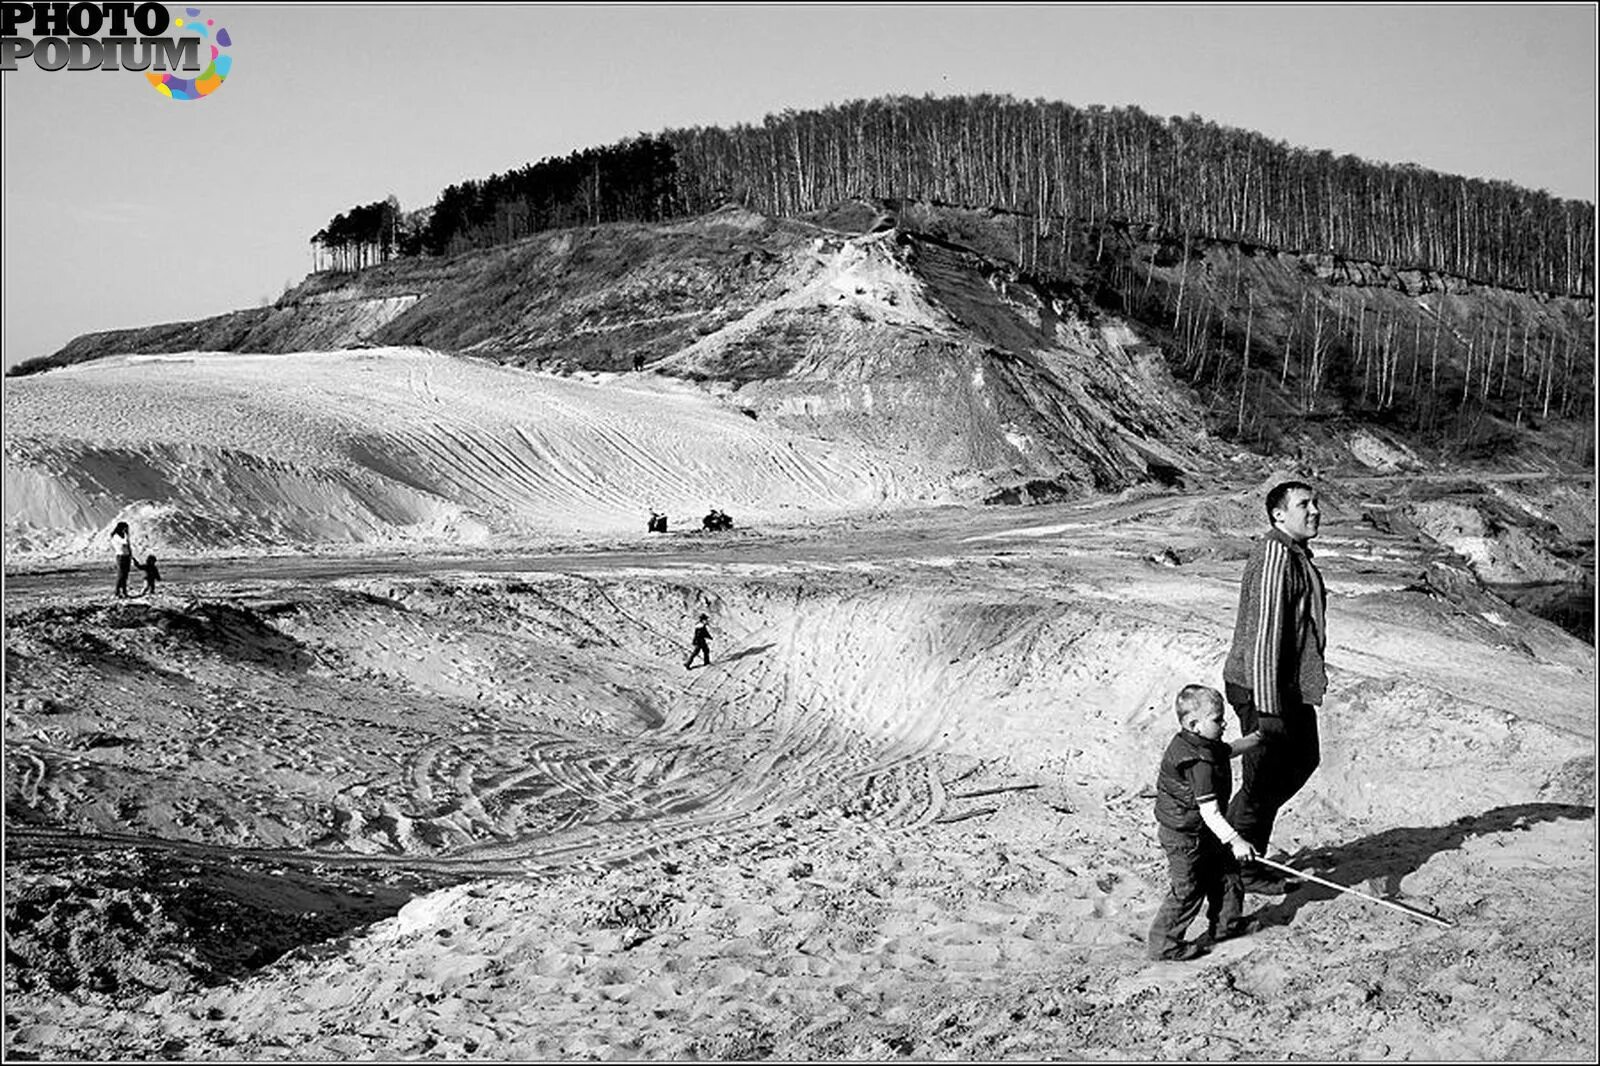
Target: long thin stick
[(992, 791), (1402, 908)]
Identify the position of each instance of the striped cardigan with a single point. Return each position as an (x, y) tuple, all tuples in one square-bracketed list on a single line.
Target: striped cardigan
[(1280, 634)]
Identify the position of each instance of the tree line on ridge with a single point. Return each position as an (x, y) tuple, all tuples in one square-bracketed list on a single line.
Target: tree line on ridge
[(1051, 161)]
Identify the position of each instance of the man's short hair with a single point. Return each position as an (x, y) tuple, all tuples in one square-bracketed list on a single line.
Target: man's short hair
[(1279, 496), (1193, 699)]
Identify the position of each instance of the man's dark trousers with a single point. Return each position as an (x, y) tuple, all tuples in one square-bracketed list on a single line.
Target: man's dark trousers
[(1273, 772), (1203, 871)]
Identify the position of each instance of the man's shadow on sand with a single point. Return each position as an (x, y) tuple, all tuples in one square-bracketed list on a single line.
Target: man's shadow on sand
[(1393, 854)]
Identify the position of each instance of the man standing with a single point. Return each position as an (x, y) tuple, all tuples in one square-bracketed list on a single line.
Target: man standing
[(1275, 676)]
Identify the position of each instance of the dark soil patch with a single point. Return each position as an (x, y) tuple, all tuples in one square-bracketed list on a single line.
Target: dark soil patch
[(129, 922)]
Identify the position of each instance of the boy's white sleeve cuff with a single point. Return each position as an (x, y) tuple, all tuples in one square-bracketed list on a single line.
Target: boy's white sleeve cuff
[(1211, 814)]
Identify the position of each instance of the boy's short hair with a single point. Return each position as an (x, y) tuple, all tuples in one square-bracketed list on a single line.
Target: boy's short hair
[(1192, 699)]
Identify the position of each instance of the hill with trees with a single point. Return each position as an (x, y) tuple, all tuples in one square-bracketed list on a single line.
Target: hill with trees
[(1057, 164), (1282, 284)]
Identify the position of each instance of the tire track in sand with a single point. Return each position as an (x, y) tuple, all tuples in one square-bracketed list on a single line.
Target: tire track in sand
[(762, 734), (784, 724)]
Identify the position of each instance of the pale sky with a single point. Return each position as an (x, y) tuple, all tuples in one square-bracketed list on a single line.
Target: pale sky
[(123, 208)]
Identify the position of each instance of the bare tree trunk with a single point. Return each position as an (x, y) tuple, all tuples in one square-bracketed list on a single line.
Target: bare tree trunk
[(1549, 375), (1416, 363), (1244, 366), (1433, 366), (1433, 362), (1566, 378), (1316, 362), (1505, 361), (1488, 364), (1202, 348), (1362, 359), (1384, 351), (1183, 281), (1522, 379), (1288, 341), (1374, 362), (1392, 357)]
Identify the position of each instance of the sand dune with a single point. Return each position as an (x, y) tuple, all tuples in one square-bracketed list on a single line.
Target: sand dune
[(222, 453)]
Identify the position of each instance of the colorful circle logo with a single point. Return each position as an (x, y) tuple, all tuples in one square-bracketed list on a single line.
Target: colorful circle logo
[(216, 72)]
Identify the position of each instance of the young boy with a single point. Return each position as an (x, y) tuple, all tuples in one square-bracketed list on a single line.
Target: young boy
[(1203, 850), (702, 642), (151, 574)]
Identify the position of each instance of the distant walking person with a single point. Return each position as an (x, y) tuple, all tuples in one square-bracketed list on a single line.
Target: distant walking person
[(151, 574), (702, 643), (1275, 676), (122, 544)]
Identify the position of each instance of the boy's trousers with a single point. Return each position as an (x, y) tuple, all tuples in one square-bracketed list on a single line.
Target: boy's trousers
[(1203, 871)]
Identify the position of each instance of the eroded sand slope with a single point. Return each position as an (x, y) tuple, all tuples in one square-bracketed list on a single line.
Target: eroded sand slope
[(208, 453)]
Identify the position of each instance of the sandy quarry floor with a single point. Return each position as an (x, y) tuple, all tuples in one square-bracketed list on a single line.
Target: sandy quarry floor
[(369, 808)]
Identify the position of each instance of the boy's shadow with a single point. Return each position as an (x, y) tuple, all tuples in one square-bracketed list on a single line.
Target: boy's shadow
[(745, 652), (1391, 855)]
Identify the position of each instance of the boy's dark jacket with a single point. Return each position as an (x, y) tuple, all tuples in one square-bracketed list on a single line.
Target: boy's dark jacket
[(1175, 803)]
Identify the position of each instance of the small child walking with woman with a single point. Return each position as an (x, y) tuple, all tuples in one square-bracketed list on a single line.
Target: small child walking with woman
[(151, 574)]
